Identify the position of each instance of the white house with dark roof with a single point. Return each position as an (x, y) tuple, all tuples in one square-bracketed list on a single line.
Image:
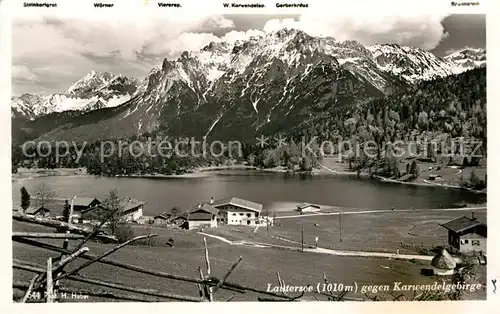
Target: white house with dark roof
[(132, 209), (237, 211), (466, 235), (203, 215)]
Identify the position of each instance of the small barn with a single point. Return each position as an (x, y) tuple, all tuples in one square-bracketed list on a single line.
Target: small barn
[(443, 264), (203, 215), (434, 177), (81, 203), (308, 208), (161, 219), (181, 221), (131, 211), (38, 211), (50, 207)]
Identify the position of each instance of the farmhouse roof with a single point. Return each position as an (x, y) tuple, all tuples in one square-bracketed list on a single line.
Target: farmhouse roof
[(129, 203), (472, 236), (204, 208), (82, 201), (181, 216), (126, 204), (163, 216), (305, 205), (444, 260), (79, 200), (51, 205), (239, 202), (200, 216), (461, 224), (34, 209), (202, 212)]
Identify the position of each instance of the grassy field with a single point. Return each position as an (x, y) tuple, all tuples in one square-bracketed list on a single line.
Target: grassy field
[(382, 232), (258, 268), (449, 175), (373, 232)]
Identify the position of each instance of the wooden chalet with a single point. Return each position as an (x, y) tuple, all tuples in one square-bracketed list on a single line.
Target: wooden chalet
[(466, 234), (203, 215)]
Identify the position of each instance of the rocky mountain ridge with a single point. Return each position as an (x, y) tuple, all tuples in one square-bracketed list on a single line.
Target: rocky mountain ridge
[(265, 84), (94, 91)]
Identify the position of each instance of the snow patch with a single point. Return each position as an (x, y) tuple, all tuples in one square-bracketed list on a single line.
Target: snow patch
[(212, 126)]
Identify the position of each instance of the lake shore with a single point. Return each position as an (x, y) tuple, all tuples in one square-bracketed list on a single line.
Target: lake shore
[(33, 173), (201, 172)]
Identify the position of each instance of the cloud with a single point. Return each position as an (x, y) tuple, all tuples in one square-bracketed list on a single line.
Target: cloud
[(23, 73), (277, 24), (69, 48), (51, 53), (178, 44), (422, 31), (219, 21), (233, 36)]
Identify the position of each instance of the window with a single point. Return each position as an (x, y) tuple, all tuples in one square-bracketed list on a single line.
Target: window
[(466, 241), (241, 214), (475, 242), (234, 214), (248, 215)]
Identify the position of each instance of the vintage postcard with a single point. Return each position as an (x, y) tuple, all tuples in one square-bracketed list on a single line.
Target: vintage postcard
[(212, 151)]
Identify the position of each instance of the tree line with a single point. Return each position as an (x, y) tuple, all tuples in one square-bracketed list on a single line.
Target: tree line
[(441, 110)]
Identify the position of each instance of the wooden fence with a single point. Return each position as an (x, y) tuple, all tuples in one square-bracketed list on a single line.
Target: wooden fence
[(45, 285)]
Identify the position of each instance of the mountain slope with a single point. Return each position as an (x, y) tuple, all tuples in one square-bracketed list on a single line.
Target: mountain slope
[(454, 105), (467, 58), (268, 84), (94, 91), (411, 63)]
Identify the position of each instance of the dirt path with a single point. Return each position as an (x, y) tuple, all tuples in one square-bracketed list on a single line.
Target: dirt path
[(370, 254), (379, 211), (323, 250), (320, 250)]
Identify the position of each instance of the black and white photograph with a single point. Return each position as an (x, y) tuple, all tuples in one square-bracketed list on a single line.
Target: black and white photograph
[(249, 157)]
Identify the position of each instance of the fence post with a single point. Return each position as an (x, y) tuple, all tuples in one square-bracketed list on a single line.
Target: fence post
[(50, 288)]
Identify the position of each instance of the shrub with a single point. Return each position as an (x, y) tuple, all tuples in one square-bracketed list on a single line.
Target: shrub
[(123, 232)]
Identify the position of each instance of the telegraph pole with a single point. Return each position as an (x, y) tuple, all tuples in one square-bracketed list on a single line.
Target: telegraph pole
[(340, 226), (267, 224), (70, 221), (302, 241)]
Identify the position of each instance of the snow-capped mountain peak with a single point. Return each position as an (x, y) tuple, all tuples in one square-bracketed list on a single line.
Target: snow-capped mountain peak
[(89, 82), (413, 64), (94, 91), (467, 58), (287, 57)]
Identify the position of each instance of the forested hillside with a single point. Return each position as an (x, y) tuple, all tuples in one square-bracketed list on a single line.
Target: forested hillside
[(455, 105), (443, 109)]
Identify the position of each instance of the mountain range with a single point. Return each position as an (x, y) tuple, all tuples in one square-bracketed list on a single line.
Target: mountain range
[(266, 84), (95, 90)]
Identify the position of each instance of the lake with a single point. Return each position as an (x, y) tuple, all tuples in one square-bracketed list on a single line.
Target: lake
[(274, 190)]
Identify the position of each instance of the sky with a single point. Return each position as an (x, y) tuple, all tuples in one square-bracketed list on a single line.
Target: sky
[(50, 54)]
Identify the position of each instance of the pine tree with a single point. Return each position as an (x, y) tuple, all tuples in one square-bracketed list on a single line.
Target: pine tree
[(66, 211), (414, 169), (25, 199)]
